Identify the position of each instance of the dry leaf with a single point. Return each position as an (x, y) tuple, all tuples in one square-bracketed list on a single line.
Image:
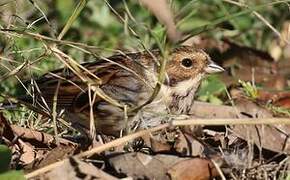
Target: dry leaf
[(193, 169), (272, 137), (140, 166), (187, 145), (28, 154), (207, 110), (278, 98), (75, 169), (159, 146), (54, 155)]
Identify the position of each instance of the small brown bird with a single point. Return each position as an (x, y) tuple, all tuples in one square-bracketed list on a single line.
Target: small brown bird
[(130, 79)]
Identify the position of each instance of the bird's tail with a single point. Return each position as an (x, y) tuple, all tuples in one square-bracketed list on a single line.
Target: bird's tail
[(10, 102)]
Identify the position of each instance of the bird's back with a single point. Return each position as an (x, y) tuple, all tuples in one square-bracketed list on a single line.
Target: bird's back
[(123, 78)]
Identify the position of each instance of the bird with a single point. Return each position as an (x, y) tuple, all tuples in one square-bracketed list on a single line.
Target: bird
[(130, 80)]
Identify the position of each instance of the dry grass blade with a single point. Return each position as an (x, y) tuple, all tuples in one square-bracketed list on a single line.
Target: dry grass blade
[(218, 169), (42, 111), (16, 76), (122, 19), (72, 18), (128, 69), (41, 97), (75, 66), (14, 71), (161, 78), (54, 112), (136, 35), (91, 103), (18, 33), (66, 80), (77, 69), (43, 15)]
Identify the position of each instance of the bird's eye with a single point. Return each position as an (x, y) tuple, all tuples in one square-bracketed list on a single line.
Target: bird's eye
[(186, 62)]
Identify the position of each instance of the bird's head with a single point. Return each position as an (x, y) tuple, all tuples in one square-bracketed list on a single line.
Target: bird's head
[(188, 63)]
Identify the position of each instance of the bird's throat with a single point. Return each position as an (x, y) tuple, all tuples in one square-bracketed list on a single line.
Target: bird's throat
[(182, 95)]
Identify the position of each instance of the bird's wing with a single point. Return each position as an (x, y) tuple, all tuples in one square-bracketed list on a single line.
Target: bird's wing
[(120, 79)]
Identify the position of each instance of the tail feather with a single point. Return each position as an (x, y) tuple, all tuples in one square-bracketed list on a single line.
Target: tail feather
[(11, 102)]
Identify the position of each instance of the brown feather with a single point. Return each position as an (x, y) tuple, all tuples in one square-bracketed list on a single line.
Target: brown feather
[(129, 79)]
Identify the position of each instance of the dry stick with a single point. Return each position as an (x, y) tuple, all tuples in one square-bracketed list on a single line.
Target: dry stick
[(98, 149), (121, 141), (91, 103), (54, 112), (231, 121), (218, 169)]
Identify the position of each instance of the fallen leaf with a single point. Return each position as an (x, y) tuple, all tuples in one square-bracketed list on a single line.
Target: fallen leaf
[(140, 166), (193, 169), (188, 146), (74, 168), (272, 137), (159, 146)]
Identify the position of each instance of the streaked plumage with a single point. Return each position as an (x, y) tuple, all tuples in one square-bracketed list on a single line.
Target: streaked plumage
[(132, 86)]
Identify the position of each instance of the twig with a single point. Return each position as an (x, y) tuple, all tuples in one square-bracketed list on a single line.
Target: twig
[(92, 99), (54, 112), (231, 121), (218, 169)]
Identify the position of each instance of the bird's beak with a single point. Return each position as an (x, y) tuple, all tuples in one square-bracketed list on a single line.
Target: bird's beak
[(212, 67)]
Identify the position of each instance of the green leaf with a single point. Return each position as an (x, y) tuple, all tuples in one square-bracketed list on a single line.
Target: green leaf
[(5, 158), (210, 88), (12, 175), (215, 100), (250, 89), (211, 85)]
